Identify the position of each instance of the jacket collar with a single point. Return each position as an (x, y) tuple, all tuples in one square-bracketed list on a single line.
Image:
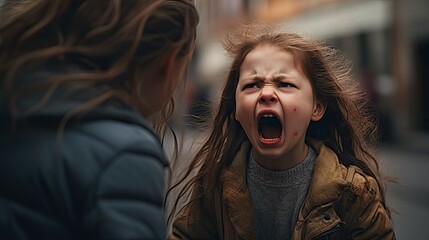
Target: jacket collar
[(329, 182), (326, 187), (236, 194)]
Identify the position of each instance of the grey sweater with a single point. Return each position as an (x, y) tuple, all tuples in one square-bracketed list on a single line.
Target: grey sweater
[(277, 196)]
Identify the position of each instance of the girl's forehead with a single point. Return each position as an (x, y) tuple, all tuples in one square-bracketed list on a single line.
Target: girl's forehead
[(267, 57), (266, 52)]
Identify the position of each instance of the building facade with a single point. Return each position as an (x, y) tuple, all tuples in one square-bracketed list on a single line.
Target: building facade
[(387, 40)]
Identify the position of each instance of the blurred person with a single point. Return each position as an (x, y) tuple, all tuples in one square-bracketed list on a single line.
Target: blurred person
[(81, 82), (287, 156)]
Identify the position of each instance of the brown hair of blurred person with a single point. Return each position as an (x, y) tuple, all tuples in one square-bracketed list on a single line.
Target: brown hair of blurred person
[(120, 40)]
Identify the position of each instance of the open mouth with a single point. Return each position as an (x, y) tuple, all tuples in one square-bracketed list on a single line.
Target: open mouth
[(269, 128)]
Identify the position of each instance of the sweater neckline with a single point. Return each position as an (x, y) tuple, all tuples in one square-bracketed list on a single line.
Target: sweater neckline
[(286, 178)]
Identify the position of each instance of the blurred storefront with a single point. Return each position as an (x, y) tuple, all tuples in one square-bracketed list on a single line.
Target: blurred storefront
[(387, 40)]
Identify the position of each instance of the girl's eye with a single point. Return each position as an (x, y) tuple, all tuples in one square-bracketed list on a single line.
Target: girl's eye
[(252, 85), (284, 85)]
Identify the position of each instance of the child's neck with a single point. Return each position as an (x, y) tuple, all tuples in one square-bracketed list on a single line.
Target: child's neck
[(285, 162)]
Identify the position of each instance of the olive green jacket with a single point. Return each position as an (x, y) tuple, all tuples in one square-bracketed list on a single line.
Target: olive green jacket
[(341, 204)]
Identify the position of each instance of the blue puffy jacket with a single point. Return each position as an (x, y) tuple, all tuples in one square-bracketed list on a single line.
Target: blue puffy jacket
[(102, 178)]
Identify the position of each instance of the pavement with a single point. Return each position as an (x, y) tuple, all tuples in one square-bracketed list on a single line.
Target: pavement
[(407, 160)]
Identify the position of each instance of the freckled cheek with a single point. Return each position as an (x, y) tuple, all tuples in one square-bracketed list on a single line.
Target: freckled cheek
[(295, 134), (291, 108)]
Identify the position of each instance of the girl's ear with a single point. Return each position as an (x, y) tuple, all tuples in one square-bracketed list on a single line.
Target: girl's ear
[(318, 111)]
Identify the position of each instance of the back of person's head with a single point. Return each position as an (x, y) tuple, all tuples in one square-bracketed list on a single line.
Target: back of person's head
[(116, 39)]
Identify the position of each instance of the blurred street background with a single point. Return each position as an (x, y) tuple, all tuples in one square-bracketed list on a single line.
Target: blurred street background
[(388, 43)]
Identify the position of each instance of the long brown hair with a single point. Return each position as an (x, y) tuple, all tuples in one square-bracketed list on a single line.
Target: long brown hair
[(347, 127), (118, 39)]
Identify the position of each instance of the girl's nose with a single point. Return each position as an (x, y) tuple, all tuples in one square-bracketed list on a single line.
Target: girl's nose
[(268, 95)]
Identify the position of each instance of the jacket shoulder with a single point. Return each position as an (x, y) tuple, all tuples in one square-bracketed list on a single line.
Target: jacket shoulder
[(130, 181), (361, 194), (100, 144), (122, 135), (359, 183)]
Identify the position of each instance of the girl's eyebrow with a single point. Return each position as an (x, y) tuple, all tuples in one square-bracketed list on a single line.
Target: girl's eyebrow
[(276, 78), (255, 78), (258, 78)]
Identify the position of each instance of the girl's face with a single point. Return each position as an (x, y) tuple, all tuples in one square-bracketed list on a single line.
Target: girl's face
[(274, 105)]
